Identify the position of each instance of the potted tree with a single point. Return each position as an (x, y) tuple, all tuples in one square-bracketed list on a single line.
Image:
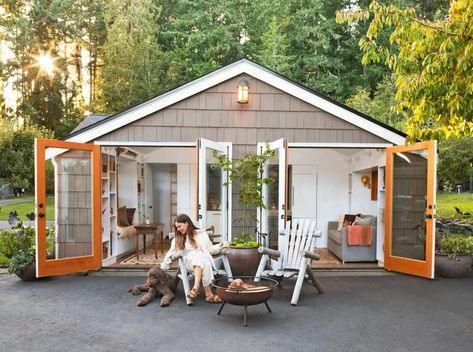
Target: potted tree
[(18, 246), (454, 255), (247, 174)]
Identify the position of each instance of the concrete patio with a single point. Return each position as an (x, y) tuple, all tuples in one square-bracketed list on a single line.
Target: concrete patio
[(358, 312)]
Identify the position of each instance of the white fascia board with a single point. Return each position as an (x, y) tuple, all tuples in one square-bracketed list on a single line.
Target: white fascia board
[(321, 103), (226, 73), (145, 144), (341, 145)]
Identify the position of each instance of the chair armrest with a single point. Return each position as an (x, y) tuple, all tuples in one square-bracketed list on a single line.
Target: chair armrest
[(177, 255), (270, 252), (310, 255), (223, 251)]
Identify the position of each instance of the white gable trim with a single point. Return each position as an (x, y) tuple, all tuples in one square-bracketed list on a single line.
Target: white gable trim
[(222, 75)]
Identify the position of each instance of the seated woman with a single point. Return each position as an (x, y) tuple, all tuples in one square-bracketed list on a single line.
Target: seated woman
[(197, 253)]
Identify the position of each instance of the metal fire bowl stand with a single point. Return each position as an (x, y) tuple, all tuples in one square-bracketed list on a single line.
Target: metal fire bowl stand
[(261, 292)]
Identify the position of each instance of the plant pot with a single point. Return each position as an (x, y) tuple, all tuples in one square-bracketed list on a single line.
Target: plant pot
[(243, 260), (29, 273), (457, 267)]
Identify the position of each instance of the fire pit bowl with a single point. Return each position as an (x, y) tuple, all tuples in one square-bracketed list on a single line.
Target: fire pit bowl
[(249, 294)]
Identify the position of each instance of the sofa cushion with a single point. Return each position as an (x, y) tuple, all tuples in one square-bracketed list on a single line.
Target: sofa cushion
[(335, 236), (366, 221)]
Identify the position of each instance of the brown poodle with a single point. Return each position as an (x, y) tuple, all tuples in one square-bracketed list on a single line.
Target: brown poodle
[(158, 281)]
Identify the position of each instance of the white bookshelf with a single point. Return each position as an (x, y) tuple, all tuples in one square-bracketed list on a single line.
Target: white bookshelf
[(109, 204)]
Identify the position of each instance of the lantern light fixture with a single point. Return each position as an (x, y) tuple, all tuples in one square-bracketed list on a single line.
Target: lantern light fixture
[(243, 92)]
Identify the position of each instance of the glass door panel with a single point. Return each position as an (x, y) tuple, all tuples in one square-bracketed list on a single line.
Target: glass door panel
[(409, 203), (272, 219), (214, 192)]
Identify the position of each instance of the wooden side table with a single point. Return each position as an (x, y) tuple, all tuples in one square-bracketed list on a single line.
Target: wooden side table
[(149, 229)]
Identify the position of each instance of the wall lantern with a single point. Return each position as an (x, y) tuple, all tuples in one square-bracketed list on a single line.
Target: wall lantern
[(243, 92)]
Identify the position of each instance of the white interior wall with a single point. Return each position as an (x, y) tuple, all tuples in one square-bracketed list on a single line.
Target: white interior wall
[(127, 195), (361, 196), (332, 192), (186, 190), (127, 183), (171, 155), (361, 164), (161, 195)]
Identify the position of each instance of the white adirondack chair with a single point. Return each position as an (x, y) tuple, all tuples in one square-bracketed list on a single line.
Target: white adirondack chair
[(185, 276), (296, 252)]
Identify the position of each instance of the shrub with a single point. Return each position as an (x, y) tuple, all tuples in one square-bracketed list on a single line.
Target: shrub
[(454, 245), (18, 245)]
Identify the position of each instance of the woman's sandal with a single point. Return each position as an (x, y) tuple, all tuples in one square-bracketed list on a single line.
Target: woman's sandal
[(193, 293), (213, 299)]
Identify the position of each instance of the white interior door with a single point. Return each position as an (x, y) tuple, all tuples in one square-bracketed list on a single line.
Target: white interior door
[(272, 219), (214, 190)]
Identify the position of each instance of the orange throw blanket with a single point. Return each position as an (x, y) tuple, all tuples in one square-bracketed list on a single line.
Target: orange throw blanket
[(359, 235)]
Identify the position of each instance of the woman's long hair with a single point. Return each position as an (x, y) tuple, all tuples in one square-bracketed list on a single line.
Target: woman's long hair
[(191, 231)]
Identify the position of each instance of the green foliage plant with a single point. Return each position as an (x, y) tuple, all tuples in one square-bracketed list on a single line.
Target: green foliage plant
[(18, 245), (455, 158), (432, 60), (247, 173), (17, 153), (454, 245)]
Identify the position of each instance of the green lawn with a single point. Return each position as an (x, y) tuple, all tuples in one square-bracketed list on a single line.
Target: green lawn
[(24, 208), (446, 204)]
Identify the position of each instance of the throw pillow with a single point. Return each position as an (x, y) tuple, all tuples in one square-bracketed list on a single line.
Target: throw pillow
[(363, 221), (349, 218), (130, 212), (122, 219)]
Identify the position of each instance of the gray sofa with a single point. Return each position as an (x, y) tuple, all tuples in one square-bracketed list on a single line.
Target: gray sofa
[(337, 244)]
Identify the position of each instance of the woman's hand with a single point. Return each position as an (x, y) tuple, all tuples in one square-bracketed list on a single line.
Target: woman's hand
[(224, 244)]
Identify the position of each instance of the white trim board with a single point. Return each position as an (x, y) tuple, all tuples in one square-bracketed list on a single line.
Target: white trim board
[(242, 66), (341, 145), (145, 144)]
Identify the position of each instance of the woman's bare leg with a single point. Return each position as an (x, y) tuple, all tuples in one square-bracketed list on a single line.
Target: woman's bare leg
[(197, 277), (208, 291)]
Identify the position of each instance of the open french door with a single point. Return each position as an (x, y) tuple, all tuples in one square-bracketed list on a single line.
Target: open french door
[(272, 219), (410, 209), (67, 179), (214, 189)]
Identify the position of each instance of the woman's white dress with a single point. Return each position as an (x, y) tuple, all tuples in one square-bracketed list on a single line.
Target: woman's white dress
[(200, 256)]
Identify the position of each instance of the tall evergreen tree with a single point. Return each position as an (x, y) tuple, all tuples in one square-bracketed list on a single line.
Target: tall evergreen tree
[(133, 60)]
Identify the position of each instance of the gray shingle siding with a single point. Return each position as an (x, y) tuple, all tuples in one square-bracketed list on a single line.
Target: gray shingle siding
[(270, 114)]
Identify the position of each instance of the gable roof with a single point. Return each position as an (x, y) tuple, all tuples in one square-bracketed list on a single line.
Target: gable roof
[(89, 120), (244, 66)]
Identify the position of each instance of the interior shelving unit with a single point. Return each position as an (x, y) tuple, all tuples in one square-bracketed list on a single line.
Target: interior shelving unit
[(109, 204)]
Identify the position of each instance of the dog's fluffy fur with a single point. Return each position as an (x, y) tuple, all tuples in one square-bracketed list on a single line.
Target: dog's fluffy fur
[(158, 282)]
